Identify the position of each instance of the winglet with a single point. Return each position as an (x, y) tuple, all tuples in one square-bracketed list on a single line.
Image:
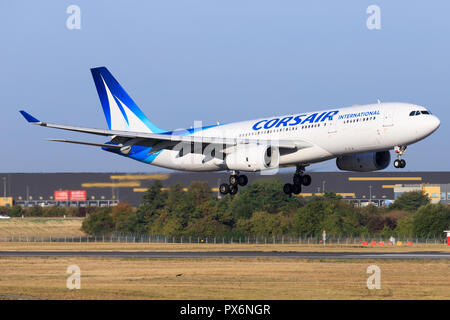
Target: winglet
[(29, 117)]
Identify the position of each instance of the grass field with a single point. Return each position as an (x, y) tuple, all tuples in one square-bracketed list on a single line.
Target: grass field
[(222, 278), (208, 278), (41, 227), (99, 246)]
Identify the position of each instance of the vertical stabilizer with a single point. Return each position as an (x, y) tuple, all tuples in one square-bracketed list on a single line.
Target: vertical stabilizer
[(120, 110)]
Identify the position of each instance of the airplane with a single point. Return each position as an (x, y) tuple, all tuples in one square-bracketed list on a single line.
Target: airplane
[(358, 137)]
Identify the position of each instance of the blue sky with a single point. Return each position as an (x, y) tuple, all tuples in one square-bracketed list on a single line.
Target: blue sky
[(186, 60)]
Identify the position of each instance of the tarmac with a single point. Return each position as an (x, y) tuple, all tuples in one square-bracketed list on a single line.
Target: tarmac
[(234, 254)]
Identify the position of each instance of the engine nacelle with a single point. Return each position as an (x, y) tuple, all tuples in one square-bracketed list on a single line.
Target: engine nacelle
[(363, 162), (253, 157)]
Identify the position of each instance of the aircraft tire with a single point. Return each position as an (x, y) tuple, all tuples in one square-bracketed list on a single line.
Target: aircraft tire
[(287, 188), (402, 163), (242, 180), (306, 180), (234, 179), (224, 188), (296, 188), (233, 189)]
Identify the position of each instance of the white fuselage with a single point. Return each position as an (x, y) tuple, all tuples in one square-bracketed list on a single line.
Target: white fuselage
[(331, 133)]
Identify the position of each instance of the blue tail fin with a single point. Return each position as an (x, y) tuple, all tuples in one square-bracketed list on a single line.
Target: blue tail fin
[(120, 110)]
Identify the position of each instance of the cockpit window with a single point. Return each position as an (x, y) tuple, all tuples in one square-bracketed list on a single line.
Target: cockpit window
[(418, 112)]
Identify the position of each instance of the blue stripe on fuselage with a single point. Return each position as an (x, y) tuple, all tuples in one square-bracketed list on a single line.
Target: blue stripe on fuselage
[(140, 153), (137, 153)]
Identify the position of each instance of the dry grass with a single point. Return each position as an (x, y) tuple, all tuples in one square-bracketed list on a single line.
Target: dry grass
[(226, 278), (107, 246), (41, 227), (209, 278)]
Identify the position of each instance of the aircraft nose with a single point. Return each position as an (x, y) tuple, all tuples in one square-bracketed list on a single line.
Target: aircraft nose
[(428, 126), (435, 123)]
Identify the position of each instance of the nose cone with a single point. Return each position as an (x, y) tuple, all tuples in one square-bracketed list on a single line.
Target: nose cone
[(434, 123), (430, 125)]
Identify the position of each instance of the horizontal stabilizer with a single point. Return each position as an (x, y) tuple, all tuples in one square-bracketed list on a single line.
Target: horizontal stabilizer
[(88, 143)]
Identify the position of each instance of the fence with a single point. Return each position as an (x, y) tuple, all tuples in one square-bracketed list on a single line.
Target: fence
[(145, 238)]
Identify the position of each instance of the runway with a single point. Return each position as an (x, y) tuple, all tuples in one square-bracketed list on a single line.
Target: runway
[(233, 254)]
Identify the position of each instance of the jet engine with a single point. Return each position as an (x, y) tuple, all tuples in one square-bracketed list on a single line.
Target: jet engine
[(252, 157), (363, 162)]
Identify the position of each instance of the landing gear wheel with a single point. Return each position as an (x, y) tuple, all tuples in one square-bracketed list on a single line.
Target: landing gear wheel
[(298, 178), (242, 180), (233, 189), (400, 150), (400, 163), (234, 179), (224, 188), (287, 188), (296, 189), (301, 179), (306, 180)]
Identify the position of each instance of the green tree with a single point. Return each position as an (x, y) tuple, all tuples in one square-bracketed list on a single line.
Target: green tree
[(410, 201), (124, 218), (179, 204), (264, 224), (165, 224), (330, 195), (55, 212), (199, 192), (152, 201), (264, 195), (343, 220), (16, 211), (35, 211), (327, 213), (431, 220), (405, 226), (154, 198), (99, 222), (309, 218)]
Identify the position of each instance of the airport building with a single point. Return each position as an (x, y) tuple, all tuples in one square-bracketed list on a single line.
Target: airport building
[(107, 189)]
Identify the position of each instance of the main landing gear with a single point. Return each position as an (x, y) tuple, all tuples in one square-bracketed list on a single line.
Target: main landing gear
[(399, 162), (235, 180), (298, 180)]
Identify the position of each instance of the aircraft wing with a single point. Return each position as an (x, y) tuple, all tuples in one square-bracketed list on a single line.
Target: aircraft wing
[(160, 141)]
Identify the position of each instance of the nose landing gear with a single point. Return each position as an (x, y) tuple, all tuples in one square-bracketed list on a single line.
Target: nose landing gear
[(298, 180), (399, 162), (235, 180)]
